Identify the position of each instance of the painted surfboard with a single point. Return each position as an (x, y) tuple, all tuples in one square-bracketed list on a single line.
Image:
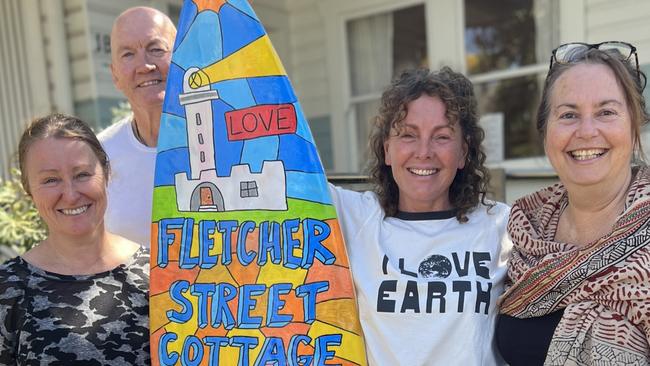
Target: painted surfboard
[(248, 263)]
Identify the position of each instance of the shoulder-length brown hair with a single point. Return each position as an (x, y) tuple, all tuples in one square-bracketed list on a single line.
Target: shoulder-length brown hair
[(470, 185)]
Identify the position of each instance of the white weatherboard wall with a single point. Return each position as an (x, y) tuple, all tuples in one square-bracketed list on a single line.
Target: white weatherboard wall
[(308, 62), (622, 20)]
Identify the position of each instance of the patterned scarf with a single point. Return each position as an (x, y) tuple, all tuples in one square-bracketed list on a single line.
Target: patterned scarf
[(604, 286)]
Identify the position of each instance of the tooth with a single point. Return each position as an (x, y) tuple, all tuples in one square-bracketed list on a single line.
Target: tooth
[(422, 172), (74, 211), (587, 154), (150, 82)]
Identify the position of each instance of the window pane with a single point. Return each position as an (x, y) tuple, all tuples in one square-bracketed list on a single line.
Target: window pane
[(382, 45), (370, 51), (364, 114), (507, 34), (517, 99), (409, 41)]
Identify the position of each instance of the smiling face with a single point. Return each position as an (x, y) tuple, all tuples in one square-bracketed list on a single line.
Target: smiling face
[(141, 48), (589, 137), (424, 154), (67, 185)]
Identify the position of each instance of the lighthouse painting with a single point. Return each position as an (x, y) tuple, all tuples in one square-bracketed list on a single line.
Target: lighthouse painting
[(248, 263), (242, 189)]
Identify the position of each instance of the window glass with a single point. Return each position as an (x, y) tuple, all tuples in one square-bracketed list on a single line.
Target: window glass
[(517, 98), (499, 35), (507, 48), (410, 40), (364, 112), (248, 189)]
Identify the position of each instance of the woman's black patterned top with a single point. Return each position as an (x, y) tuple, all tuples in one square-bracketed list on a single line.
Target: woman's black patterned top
[(53, 319)]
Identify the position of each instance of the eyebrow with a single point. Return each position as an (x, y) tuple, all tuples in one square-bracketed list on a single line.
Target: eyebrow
[(122, 48), (151, 42), (435, 129), (604, 102), (74, 168), (157, 40)]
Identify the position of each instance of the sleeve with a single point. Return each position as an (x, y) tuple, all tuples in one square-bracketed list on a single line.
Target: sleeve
[(11, 295), (354, 209)]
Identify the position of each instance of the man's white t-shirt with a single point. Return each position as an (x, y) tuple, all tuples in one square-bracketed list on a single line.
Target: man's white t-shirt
[(130, 187), (427, 285)]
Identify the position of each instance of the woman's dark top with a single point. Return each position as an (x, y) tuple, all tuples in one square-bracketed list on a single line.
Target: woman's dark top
[(91, 320), (526, 341)]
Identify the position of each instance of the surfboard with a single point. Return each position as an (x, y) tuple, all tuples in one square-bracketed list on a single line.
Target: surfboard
[(248, 263)]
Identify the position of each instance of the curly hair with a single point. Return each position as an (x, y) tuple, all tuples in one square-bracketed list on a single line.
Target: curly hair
[(59, 126), (470, 184)]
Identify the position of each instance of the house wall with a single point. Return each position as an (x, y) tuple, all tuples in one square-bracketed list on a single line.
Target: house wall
[(622, 20), (312, 76)]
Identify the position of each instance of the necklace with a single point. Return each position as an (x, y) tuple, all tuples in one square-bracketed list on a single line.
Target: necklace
[(136, 132)]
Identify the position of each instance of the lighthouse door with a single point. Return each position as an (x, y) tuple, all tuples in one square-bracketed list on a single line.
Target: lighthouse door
[(206, 197)]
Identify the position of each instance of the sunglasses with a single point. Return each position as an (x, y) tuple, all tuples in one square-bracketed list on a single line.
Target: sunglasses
[(572, 52)]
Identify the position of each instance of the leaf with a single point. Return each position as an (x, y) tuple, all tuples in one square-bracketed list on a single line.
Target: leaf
[(20, 225)]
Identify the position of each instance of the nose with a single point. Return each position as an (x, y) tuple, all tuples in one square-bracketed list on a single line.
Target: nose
[(145, 65), (587, 128), (423, 149), (70, 192)]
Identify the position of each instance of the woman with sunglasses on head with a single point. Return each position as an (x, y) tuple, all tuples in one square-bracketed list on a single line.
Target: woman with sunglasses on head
[(579, 273), (427, 250)]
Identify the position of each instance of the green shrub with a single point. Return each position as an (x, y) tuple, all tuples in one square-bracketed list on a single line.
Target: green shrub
[(20, 225)]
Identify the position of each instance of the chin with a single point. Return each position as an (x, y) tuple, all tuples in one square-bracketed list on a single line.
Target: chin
[(586, 180)]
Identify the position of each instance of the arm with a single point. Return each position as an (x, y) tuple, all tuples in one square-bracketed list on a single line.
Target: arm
[(11, 311)]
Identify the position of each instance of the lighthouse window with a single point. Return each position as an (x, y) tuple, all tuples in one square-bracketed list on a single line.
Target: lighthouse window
[(198, 119), (201, 138), (248, 189), (202, 157)]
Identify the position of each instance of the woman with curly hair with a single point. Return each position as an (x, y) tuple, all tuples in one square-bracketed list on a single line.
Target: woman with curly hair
[(427, 250)]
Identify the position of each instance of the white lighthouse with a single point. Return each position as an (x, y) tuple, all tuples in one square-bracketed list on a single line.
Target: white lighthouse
[(203, 190), (198, 114)]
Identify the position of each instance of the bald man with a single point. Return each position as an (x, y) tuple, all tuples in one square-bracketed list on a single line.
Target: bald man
[(141, 46)]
